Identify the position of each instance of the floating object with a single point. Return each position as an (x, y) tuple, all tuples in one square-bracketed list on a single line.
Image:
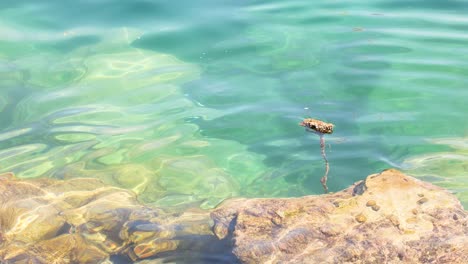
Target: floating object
[(317, 125), (320, 128)]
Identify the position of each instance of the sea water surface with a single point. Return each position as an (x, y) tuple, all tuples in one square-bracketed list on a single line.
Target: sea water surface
[(188, 103)]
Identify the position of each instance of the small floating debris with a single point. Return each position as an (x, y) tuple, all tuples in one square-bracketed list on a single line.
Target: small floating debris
[(317, 125), (320, 128)]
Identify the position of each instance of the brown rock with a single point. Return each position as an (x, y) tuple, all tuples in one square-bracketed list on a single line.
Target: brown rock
[(332, 228), (361, 218), (84, 221)]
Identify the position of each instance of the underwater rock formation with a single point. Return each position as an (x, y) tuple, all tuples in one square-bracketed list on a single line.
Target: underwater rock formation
[(85, 221), (387, 218)]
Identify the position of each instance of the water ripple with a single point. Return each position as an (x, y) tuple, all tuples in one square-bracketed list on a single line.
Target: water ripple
[(203, 100)]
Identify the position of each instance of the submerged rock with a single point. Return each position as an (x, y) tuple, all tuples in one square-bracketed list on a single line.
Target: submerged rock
[(85, 221), (387, 218)]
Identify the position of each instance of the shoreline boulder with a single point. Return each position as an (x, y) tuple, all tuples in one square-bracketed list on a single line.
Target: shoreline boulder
[(387, 218)]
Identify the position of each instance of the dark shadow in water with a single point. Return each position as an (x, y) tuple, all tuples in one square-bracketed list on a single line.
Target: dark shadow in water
[(204, 249), (193, 249), (207, 249)]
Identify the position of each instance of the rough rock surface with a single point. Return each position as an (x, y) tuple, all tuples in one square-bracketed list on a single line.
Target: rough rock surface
[(86, 221), (387, 218)]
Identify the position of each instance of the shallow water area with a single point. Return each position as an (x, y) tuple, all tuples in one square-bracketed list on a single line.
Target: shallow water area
[(188, 104)]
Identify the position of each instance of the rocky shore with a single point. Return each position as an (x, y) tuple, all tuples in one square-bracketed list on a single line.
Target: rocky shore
[(387, 218)]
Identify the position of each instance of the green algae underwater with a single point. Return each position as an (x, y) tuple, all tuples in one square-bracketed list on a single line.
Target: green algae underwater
[(201, 103)]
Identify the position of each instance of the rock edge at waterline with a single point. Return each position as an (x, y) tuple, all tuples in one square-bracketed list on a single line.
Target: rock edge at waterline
[(387, 218)]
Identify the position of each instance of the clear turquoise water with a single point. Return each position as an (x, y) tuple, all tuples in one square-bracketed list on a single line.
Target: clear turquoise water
[(192, 102)]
